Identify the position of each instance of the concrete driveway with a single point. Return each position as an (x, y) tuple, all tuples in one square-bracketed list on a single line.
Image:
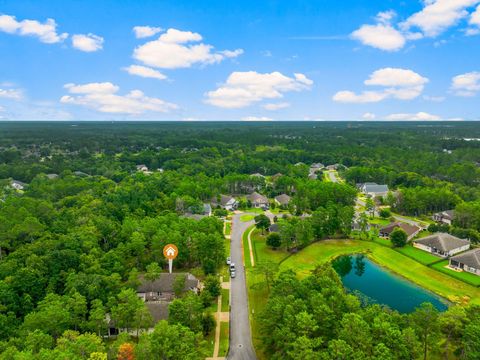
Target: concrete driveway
[(241, 347)]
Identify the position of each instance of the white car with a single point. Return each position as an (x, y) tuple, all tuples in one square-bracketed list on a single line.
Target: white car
[(232, 267), (232, 273), (229, 261)]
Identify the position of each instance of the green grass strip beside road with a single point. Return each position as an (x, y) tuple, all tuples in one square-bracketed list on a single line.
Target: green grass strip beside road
[(224, 335), (225, 300)]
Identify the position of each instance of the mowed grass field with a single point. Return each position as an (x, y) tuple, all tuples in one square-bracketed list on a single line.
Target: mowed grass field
[(444, 285), (419, 255), (412, 267), (461, 275)]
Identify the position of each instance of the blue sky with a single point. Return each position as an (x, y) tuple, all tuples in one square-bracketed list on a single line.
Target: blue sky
[(232, 60)]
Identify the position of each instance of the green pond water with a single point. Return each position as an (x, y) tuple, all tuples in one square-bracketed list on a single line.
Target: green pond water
[(377, 285)]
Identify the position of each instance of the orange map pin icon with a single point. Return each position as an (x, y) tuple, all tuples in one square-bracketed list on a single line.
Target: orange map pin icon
[(170, 251)]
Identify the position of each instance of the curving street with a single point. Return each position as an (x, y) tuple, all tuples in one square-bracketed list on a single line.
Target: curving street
[(241, 347)]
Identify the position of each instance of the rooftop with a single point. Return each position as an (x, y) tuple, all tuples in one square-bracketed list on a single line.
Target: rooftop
[(443, 241), (164, 283), (470, 258)]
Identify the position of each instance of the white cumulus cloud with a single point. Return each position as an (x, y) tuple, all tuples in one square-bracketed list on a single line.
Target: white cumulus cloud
[(87, 43), (380, 36), (13, 94), (276, 106), (369, 116), (146, 31), (474, 22), (46, 32), (145, 72), (180, 49), (438, 15), (242, 89), (104, 97), (420, 116), (256, 118), (466, 84), (402, 84)]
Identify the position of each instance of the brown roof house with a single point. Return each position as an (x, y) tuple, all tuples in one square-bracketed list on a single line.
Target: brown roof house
[(442, 244), (411, 230), (468, 261), (258, 200)]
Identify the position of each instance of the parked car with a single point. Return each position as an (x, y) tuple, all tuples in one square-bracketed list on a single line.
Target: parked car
[(232, 273), (232, 267), (229, 261)]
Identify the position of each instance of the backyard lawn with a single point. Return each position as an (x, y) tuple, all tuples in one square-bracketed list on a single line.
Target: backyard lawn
[(418, 255), (462, 275), (431, 279)]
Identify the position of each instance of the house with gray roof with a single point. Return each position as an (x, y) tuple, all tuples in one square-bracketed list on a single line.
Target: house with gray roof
[(442, 244), (226, 202), (162, 289), (258, 200), (373, 189), (444, 217), (282, 200), (468, 261)]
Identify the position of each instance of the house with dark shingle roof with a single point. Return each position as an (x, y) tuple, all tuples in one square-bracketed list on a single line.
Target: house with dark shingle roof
[(468, 261), (442, 244), (274, 228), (162, 288), (258, 200), (411, 230), (444, 217)]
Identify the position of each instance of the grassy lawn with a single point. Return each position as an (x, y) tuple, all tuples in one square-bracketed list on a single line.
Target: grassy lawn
[(224, 335), (431, 279), (254, 210), (257, 291), (418, 255), (278, 211), (262, 252), (379, 221), (225, 300), (247, 218), (382, 241), (461, 275), (228, 228)]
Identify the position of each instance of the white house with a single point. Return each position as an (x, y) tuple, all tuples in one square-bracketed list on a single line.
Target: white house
[(442, 244), (373, 189), (17, 185), (226, 202)]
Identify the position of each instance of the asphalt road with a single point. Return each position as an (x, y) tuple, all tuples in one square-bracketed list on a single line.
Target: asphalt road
[(241, 347)]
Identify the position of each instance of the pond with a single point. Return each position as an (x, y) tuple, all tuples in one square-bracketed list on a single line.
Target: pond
[(377, 285)]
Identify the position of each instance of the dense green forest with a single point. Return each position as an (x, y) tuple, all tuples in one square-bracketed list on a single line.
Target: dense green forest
[(74, 240)]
